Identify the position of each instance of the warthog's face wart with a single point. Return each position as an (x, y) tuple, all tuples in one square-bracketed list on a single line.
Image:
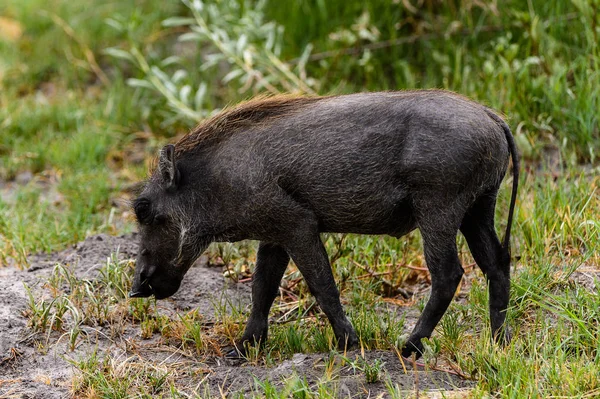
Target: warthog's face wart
[(168, 244)]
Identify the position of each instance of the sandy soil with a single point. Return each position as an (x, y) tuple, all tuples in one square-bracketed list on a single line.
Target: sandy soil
[(28, 372)]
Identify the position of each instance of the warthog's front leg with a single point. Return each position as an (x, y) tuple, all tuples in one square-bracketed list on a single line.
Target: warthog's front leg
[(311, 258), (271, 262)]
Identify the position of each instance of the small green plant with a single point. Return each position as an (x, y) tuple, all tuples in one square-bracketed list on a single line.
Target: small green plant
[(453, 331), (193, 335), (116, 275), (147, 328), (377, 328), (73, 335), (373, 370), (39, 312), (294, 339), (231, 317), (431, 349), (253, 353), (140, 308), (322, 337), (292, 387)]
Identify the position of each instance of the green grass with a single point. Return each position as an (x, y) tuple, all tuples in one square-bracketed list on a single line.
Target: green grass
[(64, 121), (69, 117)]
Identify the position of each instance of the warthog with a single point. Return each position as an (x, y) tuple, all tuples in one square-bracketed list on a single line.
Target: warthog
[(284, 169)]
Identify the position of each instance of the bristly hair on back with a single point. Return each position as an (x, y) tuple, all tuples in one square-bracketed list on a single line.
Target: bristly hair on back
[(255, 111)]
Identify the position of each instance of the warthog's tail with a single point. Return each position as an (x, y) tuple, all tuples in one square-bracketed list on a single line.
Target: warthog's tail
[(515, 160)]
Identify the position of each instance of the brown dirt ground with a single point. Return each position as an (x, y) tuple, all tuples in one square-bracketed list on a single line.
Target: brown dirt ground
[(27, 372)]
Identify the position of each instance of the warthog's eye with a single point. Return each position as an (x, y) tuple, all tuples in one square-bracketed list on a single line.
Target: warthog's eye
[(143, 211)]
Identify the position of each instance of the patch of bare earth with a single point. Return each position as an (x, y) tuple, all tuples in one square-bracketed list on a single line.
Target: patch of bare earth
[(39, 365)]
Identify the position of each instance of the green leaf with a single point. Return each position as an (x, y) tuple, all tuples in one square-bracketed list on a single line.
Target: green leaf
[(178, 21), (118, 53), (139, 83), (184, 93), (232, 75), (190, 37), (199, 97)]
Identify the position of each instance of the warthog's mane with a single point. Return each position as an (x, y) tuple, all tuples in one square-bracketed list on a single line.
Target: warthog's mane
[(259, 110)]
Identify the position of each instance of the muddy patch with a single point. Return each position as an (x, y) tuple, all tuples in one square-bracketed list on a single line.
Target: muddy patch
[(48, 364)]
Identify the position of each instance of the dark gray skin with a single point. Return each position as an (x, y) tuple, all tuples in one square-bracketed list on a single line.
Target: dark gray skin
[(285, 170)]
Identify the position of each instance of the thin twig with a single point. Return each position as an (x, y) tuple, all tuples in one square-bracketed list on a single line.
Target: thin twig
[(374, 275), (411, 267)]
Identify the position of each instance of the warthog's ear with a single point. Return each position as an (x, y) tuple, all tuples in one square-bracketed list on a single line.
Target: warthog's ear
[(167, 168)]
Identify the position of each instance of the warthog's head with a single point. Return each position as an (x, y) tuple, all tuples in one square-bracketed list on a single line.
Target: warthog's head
[(170, 238)]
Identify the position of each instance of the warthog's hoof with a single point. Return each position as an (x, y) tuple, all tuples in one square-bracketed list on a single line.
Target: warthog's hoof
[(234, 354), (411, 348)]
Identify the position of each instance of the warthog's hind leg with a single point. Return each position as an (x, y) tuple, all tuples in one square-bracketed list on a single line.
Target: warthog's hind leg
[(478, 229), (439, 228)]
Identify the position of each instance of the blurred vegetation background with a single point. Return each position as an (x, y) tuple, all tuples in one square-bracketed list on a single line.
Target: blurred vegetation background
[(90, 90)]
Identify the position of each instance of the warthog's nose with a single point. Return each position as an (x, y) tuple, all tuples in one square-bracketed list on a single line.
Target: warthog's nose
[(139, 294), (141, 283), (141, 290)]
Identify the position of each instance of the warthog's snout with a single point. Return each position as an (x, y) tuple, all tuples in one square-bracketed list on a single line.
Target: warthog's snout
[(154, 282), (142, 287), (142, 292)]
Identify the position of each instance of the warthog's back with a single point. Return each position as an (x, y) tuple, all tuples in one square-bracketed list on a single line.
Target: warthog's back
[(357, 160)]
